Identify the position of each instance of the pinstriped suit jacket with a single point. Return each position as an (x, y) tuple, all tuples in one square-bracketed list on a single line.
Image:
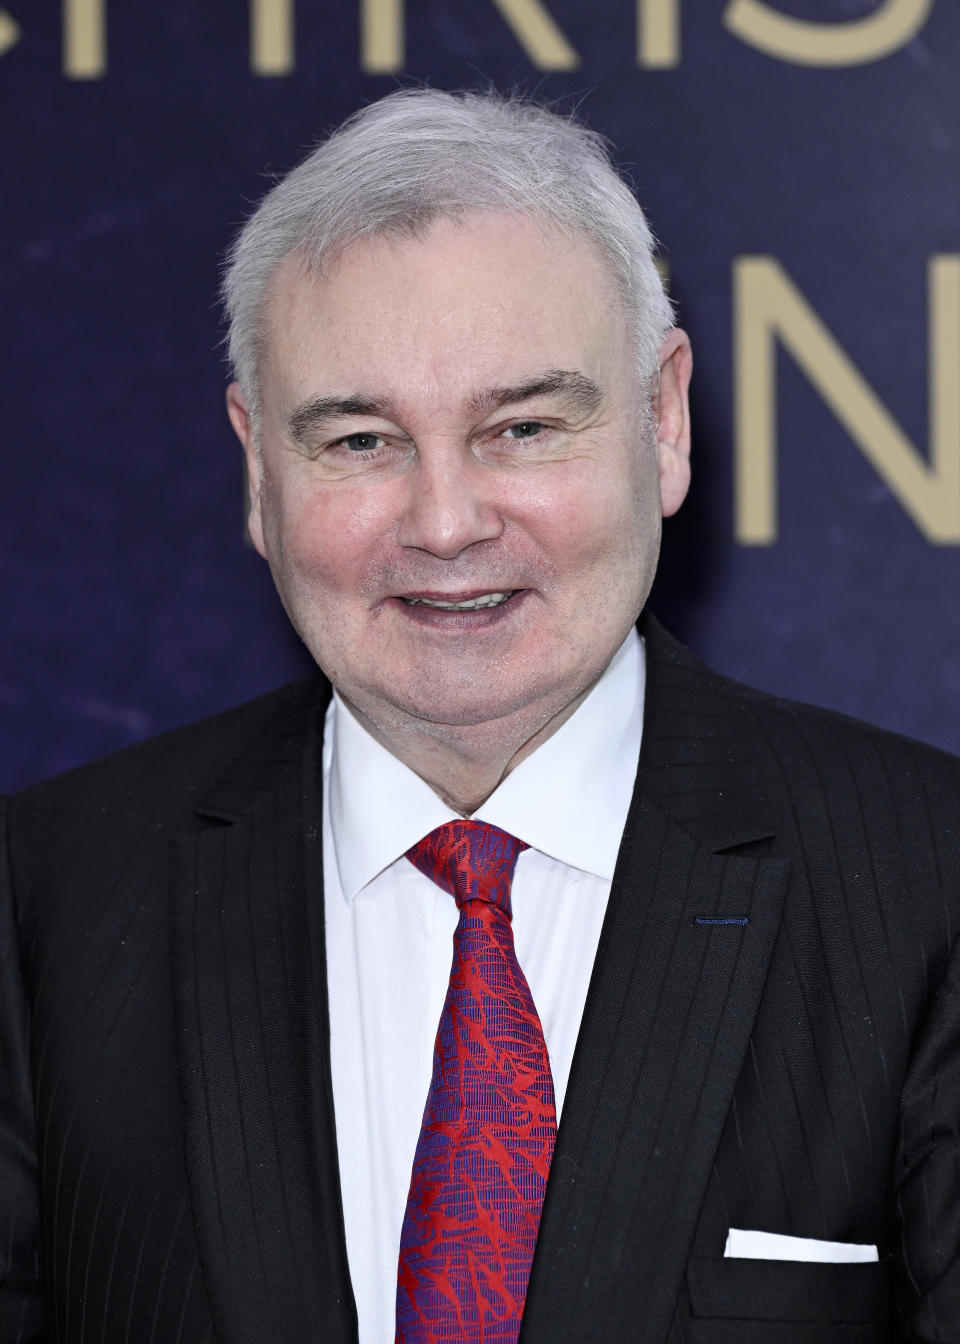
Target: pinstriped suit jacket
[(167, 1159)]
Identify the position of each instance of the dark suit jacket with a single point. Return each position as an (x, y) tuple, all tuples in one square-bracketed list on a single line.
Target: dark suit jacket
[(771, 1040)]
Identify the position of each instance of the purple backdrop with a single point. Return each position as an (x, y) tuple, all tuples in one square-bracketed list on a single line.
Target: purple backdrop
[(132, 603)]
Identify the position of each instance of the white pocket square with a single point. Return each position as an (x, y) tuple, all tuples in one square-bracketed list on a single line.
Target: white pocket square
[(748, 1245)]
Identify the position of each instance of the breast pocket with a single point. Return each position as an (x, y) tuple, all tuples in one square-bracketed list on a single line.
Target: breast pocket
[(792, 1292)]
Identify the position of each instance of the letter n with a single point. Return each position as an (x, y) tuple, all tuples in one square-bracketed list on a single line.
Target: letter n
[(769, 308)]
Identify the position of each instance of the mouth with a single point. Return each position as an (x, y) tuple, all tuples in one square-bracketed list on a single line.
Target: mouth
[(477, 602), (462, 613)]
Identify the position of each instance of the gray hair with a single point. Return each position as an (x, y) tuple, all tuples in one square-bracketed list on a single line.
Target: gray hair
[(419, 155)]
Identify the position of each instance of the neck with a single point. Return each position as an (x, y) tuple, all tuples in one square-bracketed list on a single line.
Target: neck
[(464, 764)]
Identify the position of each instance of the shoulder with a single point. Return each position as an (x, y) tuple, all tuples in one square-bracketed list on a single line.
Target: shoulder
[(158, 782), (798, 732), (828, 780)]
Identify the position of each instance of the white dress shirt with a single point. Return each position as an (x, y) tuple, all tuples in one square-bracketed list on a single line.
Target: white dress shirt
[(390, 936)]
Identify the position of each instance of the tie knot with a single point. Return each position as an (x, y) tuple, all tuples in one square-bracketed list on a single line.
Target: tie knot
[(471, 860)]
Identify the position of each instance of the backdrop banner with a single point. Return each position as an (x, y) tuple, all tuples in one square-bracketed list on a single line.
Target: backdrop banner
[(799, 159)]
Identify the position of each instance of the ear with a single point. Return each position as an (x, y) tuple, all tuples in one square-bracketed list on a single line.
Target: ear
[(239, 414), (673, 420)]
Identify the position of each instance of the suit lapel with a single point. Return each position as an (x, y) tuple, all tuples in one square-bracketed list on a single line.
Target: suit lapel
[(250, 985), (667, 1021)]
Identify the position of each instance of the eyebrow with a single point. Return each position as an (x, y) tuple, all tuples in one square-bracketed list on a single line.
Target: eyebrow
[(576, 387), (321, 409)]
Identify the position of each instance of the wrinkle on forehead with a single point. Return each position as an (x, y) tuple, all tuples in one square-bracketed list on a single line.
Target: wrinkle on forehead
[(474, 311)]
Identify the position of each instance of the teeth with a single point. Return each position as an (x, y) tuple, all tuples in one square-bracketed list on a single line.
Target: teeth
[(473, 604)]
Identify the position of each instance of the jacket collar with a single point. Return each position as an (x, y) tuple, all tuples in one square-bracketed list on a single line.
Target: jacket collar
[(288, 741), (702, 749)]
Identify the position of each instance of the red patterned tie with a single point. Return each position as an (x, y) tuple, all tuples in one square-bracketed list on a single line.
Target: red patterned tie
[(490, 1121)]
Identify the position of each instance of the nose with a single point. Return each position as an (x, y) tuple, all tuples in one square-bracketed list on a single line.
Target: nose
[(449, 503)]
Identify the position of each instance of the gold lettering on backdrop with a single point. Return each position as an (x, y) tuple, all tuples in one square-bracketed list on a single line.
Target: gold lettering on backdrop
[(84, 38), (850, 42), (271, 37), (658, 34), (382, 36), (768, 307), (9, 32), (943, 355), (537, 33)]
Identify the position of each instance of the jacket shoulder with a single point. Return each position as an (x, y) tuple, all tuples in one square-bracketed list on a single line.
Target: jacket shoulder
[(158, 782), (785, 724), (716, 747)]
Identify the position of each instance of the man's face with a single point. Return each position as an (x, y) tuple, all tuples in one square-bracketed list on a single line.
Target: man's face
[(458, 492)]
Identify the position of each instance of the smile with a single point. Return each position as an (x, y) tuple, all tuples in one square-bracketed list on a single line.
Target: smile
[(467, 604)]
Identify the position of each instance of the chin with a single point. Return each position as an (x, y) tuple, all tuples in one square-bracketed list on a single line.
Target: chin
[(462, 712), (487, 701)]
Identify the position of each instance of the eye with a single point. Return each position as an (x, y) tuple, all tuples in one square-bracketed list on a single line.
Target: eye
[(362, 442), (524, 429)]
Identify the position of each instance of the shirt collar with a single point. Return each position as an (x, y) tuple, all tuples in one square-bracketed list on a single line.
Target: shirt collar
[(568, 799)]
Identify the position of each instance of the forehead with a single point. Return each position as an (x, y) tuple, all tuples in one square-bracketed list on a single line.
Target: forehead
[(468, 302)]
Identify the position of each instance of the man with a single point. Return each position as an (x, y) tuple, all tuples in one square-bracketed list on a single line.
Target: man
[(730, 972)]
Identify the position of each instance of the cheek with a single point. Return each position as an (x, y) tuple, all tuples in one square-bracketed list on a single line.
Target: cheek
[(325, 538), (595, 520)]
